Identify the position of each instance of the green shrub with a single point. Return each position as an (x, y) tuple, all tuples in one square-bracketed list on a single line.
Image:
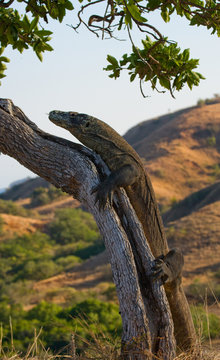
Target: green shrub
[(44, 312), (26, 247), (56, 330), (17, 292), (39, 197), (58, 324), (72, 226), (92, 250), (217, 274), (68, 262), (216, 171), (211, 141), (201, 291), (200, 102), (214, 100), (9, 207), (40, 269), (27, 257), (110, 292), (98, 316), (173, 201), (43, 196), (208, 325), (1, 225)]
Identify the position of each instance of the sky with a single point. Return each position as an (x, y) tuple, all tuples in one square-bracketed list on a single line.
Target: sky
[(71, 78)]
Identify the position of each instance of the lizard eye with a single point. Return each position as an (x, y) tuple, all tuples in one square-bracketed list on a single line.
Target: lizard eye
[(87, 124), (73, 114)]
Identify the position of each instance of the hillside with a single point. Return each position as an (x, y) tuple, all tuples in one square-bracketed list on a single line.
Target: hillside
[(197, 234), (181, 150), (24, 190), (195, 201)]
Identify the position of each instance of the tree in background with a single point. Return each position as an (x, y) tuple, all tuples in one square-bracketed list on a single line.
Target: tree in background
[(159, 61)]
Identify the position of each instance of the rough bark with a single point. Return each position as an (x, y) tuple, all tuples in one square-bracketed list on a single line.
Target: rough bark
[(146, 318)]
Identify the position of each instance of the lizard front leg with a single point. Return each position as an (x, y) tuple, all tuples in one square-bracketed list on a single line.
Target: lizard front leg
[(123, 177), (168, 268)]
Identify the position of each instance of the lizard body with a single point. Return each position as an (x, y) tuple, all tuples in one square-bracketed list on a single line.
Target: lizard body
[(127, 171)]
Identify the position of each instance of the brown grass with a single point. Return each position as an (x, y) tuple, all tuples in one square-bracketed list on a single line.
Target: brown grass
[(176, 150), (20, 225)]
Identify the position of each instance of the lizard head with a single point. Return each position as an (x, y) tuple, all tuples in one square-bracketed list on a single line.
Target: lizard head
[(84, 127)]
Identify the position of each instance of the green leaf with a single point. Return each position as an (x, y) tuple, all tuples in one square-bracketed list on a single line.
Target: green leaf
[(54, 12), (2, 67), (186, 55), (165, 15), (135, 12), (2, 50), (62, 13), (200, 76), (120, 22), (128, 20), (164, 82), (5, 59), (132, 77), (39, 55), (47, 47), (9, 35), (14, 32), (34, 23), (112, 60), (69, 5), (26, 23), (43, 32), (190, 83)]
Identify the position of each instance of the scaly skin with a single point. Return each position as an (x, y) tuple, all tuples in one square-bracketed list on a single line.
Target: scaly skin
[(127, 171)]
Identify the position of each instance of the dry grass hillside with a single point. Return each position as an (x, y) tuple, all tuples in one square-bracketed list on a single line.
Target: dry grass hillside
[(21, 225), (198, 235), (181, 150)]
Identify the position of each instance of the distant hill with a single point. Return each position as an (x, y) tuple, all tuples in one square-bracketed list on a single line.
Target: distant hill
[(24, 189), (181, 150)]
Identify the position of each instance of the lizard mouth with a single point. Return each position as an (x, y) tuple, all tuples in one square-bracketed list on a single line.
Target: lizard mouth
[(63, 119)]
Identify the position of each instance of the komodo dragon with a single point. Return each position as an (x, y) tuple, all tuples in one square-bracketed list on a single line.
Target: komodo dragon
[(127, 171)]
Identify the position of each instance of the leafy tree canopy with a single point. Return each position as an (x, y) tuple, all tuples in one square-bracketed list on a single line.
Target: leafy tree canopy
[(159, 61)]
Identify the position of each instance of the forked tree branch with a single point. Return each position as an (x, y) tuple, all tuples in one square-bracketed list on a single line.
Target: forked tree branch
[(147, 322)]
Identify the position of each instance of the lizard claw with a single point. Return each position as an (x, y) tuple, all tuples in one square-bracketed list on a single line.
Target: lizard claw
[(161, 271), (102, 195), (168, 268)]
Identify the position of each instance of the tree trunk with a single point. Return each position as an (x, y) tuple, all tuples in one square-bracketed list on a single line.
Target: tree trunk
[(146, 318)]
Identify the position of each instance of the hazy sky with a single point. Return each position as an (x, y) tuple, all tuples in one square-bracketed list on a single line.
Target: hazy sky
[(71, 78)]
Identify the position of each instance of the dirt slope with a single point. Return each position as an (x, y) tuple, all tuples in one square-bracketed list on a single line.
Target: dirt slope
[(193, 202), (181, 150), (21, 225), (198, 235)]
